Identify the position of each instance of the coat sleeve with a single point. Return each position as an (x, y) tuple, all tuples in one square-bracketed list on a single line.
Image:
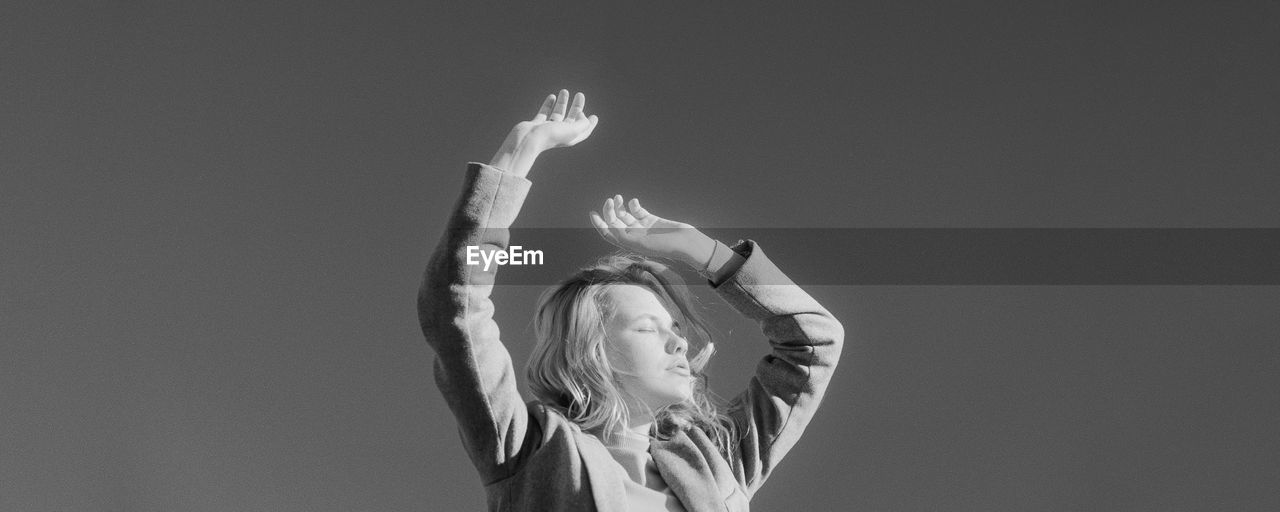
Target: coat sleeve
[(473, 369), (771, 414)]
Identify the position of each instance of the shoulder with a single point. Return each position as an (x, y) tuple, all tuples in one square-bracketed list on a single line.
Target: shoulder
[(551, 421), (560, 434)]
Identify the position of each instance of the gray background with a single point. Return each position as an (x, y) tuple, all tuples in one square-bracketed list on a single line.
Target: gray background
[(214, 218)]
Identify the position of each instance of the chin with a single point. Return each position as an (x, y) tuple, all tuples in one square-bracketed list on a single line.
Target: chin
[(683, 397), (676, 399)]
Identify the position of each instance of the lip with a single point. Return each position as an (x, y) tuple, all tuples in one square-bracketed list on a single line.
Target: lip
[(681, 368)]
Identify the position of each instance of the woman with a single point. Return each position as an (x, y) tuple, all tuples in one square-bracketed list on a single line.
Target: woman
[(621, 419)]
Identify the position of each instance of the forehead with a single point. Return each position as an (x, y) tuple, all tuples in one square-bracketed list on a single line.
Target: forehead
[(629, 301)]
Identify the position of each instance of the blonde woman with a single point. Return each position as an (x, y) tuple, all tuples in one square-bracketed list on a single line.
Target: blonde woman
[(621, 419)]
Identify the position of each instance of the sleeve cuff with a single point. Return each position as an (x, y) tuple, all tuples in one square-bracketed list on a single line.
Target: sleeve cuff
[(495, 196)]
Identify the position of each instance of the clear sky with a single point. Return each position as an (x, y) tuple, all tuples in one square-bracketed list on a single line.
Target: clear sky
[(214, 216)]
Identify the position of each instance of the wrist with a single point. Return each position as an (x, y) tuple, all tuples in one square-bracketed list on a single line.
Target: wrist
[(699, 250), (515, 159)]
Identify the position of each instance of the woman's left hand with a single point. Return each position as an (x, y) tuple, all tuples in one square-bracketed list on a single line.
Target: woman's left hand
[(633, 228)]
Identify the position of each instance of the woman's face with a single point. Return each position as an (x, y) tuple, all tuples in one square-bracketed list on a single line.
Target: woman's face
[(645, 348)]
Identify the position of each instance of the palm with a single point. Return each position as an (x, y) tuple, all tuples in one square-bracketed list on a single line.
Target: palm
[(558, 124), (631, 227)]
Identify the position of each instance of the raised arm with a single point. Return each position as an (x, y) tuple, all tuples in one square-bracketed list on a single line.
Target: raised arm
[(790, 381), (805, 339), (472, 368)]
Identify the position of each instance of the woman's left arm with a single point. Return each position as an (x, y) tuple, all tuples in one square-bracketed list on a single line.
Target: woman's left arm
[(629, 226), (790, 381), (806, 339)]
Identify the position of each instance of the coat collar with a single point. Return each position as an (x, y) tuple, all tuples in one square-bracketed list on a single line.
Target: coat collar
[(681, 460), (683, 463), (607, 490)]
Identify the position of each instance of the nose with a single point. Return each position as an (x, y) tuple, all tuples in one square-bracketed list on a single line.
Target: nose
[(676, 344)]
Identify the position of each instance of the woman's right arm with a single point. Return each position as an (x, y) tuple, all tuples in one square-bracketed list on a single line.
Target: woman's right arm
[(472, 367)]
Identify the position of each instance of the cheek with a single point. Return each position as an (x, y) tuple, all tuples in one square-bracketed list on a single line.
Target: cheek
[(641, 365), (625, 357), (633, 354)]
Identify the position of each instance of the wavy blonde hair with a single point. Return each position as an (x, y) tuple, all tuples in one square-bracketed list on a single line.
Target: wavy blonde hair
[(569, 371)]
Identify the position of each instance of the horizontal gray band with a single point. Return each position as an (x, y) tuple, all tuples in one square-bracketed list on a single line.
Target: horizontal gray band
[(969, 256)]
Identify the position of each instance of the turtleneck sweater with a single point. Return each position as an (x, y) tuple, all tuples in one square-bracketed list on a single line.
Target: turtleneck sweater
[(646, 490)]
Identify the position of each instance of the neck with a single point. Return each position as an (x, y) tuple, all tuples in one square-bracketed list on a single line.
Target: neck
[(638, 428), (632, 434)]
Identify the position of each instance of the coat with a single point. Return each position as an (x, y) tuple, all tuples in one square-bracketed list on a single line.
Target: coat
[(530, 457)]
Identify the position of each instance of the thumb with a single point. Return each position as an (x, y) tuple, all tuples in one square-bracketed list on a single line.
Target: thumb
[(591, 126)]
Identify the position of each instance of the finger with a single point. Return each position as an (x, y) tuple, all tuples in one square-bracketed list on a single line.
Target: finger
[(627, 219), (546, 108), (600, 225), (610, 215), (638, 211), (619, 207), (606, 212), (562, 103), (575, 110), (625, 215)]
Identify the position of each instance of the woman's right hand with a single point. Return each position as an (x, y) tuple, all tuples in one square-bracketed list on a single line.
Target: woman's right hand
[(558, 124)]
